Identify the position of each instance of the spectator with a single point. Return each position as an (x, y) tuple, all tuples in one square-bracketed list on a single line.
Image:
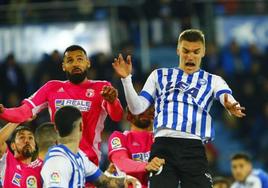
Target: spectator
[(244, 174)]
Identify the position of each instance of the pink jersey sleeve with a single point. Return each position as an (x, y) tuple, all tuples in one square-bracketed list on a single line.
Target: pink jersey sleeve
[(118, 154), (116, 142), (18, 114), (30, 107), (115, 110), (39, 100), (121, 159)]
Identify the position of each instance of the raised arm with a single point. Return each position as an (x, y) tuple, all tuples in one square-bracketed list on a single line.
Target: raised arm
[(16, 115), (5, 133), (136, 103), (112, 103)]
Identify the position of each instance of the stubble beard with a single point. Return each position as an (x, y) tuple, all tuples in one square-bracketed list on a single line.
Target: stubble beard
[(26, 152), (76, 78)]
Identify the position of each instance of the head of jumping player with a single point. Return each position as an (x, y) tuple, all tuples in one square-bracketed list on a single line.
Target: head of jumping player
[(191, 50), (143, 121), (75, 64)]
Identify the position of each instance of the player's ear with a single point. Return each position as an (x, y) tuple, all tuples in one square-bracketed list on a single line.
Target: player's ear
[(178, 51), (12, 146), (89, 64), (63, 66), (81, 126), (204, 52)]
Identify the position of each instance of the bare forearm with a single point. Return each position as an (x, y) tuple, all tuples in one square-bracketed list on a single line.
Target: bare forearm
[(6, 131), (110, 182)]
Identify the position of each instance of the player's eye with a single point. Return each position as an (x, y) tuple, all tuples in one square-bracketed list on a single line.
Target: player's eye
[(69, 61), (197, 52)]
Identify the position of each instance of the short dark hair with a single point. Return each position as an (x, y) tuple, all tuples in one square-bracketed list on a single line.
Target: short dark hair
[(74, 48), (65, 119), (14, 134), (192, 35), (244, 156), (19, 129), (46, 135)]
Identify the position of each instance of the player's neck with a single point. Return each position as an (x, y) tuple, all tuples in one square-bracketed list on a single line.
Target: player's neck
[(24, 160), (135, 128), (71, 143)]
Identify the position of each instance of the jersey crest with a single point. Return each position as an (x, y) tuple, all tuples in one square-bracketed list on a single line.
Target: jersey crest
[(55, 178), (31, 182), (90, 93), (116, 143)]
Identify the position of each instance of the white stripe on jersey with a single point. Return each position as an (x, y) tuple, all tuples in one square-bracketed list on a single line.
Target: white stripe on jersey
[(183, 101), (62, 168)]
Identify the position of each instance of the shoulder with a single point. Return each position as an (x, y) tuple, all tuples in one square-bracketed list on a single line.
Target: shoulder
[(36, 163), (55, 83), (56, 163), (253, 179), (260, 174), (56, 152), (100, 82), (116, 134), (116, 140)]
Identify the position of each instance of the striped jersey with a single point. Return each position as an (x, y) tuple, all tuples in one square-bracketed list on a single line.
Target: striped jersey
[(63, 168), (183, 101), (257, 179)]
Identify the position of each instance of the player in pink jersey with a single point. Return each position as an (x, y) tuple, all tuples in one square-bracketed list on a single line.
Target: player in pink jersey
[(129, 151), (18, 166), (95, 99)]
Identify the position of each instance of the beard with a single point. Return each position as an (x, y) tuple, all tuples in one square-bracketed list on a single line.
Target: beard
[(142, 124), (76, 78), (26, 151)]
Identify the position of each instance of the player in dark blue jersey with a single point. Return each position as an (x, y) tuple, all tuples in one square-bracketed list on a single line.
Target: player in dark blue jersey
[(182, 97)]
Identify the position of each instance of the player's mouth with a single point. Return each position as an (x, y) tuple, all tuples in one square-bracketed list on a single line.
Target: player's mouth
[(189, 64), (77, 71), (27, 147)]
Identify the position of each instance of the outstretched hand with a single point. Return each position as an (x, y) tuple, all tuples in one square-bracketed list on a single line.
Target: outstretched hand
[(234, 108), (109, 93), (122, 68)]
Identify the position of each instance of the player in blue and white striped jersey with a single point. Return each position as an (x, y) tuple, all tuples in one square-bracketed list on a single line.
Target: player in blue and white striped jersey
[(67, 166), (245, 175), (182, 97)]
